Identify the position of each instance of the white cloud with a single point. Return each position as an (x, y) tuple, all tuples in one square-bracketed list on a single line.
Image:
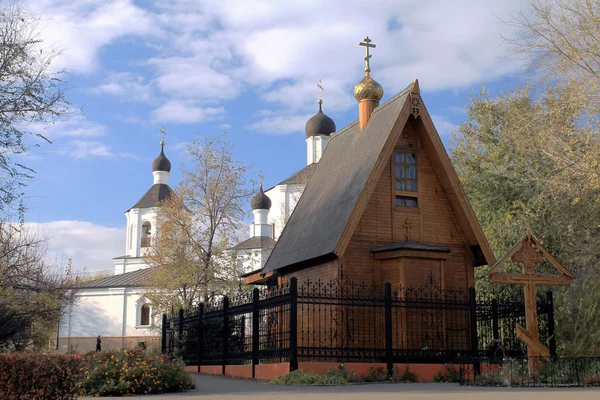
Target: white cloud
[(82, 149), (74, 124), (280, 123), (225, 126), (89, 245), (126, 86), (81, 28), (186, 112), (207, 52)]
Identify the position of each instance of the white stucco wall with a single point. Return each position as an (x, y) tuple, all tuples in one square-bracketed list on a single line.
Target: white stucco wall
[(110, 312), (284, 199), (135, 219)]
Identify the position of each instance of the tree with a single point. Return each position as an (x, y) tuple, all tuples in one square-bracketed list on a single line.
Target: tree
[(560, 40), (30, 92), (197, 226), (32, 297), (514, 182)]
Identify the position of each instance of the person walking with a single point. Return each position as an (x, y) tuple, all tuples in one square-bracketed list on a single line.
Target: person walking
[(98, 343)]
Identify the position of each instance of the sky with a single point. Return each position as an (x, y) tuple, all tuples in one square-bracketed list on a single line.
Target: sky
[(249, 68)]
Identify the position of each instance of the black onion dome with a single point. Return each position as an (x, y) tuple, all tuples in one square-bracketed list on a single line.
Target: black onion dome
[(319, 124), (261, 201), (161, 163)]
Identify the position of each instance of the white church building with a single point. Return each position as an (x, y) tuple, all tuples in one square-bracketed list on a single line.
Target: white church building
[(115, 307)]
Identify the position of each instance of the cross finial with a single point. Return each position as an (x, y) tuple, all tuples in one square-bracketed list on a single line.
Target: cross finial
[(162, 134), (320, 86), (367, 44), (261, 177)]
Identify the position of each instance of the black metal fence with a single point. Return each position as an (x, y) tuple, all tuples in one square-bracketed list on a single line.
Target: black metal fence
[(340, 321), (513, 371)]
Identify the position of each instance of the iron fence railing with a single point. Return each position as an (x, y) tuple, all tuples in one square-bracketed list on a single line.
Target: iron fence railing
[(339, 321), (513, 371)]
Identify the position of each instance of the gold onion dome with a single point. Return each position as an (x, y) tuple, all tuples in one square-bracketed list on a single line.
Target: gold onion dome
[(368, 89)]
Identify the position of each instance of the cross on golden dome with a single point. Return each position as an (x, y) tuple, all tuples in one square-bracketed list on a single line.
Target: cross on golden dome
[(367, 44)]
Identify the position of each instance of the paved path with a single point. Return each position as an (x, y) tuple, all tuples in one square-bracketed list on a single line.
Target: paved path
[(222, 388)]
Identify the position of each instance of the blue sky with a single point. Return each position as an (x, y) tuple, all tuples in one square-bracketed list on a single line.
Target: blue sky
[(249, 68)]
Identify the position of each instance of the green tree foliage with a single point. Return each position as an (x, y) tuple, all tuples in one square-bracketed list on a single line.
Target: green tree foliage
[(512, 155)]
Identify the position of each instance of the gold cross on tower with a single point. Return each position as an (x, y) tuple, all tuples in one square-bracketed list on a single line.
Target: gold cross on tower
[(529, 252), (162, 134), (368, 45), (320, 86)]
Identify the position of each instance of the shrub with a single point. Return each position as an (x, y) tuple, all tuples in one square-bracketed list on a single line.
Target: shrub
[(341, 376), (301, 378), (127, 372), (39, 376), (450, 374)]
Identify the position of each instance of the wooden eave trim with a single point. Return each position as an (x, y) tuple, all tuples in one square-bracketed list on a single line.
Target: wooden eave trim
[(537, 245), (371, 184), (257, 278), (472, 224), (405, 253)]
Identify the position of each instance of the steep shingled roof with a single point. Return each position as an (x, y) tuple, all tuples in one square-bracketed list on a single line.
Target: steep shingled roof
[(157, 193)]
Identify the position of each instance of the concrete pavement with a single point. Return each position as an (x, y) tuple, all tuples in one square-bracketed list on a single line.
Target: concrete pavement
[(223, 388)]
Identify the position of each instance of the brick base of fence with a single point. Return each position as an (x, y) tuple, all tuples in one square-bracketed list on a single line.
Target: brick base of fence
[(424, 372)]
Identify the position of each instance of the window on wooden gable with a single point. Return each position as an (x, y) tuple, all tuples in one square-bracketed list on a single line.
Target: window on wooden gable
[(405, 164)]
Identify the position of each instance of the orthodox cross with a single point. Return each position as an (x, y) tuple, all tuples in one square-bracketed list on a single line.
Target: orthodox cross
[(406, 225), (320, 86), (529, 252), (162, 134), (368, 45)]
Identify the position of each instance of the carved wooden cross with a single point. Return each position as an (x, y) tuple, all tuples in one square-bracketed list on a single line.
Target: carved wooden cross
[(406, 225), (529, 252)]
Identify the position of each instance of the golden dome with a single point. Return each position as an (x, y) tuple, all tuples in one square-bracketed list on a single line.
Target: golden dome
[(368, 89)]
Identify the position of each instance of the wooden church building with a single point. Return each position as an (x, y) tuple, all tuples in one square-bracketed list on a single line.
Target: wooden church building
[(384, 204)]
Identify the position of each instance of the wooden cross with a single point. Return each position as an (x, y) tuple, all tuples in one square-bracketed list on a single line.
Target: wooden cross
[(368, 45), (529, 252), (406, 225)]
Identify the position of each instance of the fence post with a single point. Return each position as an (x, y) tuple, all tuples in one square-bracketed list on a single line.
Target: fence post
[(293, 324), (473, 320), (255, 330), (495, 328), (389, 353), (200, 334), (551, 333), (163, 334), (180, 333), (225, 333)]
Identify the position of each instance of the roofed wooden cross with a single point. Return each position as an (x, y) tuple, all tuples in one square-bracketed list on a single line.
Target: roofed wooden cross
[(529, 252)]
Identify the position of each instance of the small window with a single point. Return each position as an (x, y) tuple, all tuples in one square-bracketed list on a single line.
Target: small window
[(145, 317), (404, 201), (405, 171)]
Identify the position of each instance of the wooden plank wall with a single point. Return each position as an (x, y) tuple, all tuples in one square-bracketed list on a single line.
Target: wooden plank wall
[(382, 223)]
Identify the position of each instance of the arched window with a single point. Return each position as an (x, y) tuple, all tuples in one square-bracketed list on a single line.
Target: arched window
[(145, 315), (146, 231)]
